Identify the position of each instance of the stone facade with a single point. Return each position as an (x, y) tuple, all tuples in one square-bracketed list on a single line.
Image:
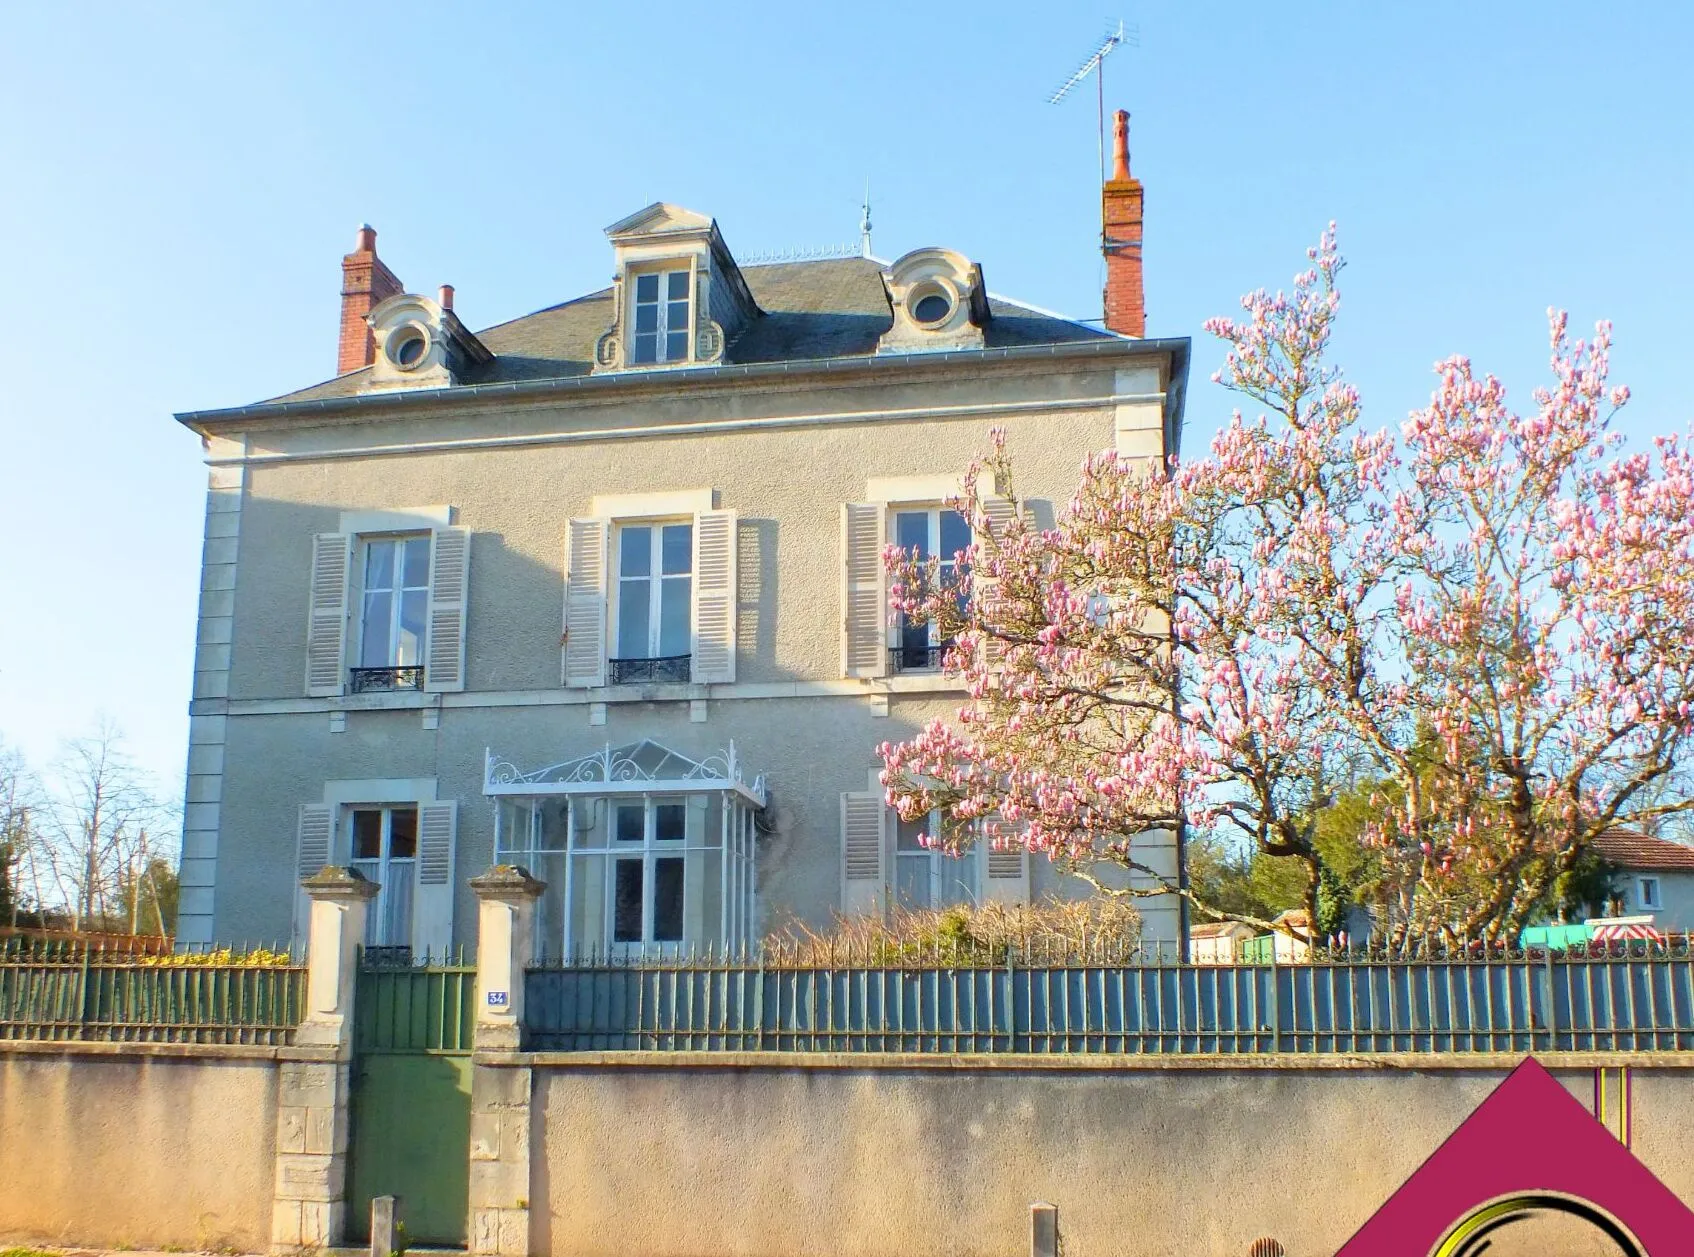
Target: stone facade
[(777, 449)]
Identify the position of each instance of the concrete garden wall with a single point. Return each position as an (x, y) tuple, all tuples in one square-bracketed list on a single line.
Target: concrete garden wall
[(114, 1144)]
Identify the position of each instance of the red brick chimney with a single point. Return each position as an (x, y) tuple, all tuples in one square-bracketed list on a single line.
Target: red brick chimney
[(365, 282), (1120, 220)]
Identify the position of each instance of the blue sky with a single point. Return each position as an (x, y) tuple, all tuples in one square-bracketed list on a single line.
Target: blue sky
[(182, 179)]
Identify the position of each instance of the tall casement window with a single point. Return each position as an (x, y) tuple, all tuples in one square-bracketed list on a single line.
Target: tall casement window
[(871, 646), (384, 847), (393, 613), (925, 877), (655, 590), (401, 840), (386, 611), (883, 864), (650, 592), (927, 532), (661, 318)]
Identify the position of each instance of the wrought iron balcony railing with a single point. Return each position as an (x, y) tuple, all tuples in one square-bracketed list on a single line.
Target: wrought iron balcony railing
[(366, 680), (914, 658), (636, 671)]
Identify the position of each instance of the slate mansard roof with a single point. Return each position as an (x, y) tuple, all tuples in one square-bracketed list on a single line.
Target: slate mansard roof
[(813, 311)]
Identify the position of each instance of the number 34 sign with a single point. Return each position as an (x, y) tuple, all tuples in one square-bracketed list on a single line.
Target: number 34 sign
[(497, 999)]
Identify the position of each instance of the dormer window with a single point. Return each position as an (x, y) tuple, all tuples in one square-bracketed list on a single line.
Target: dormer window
[(939, 303), (678, 299), (661, 318)]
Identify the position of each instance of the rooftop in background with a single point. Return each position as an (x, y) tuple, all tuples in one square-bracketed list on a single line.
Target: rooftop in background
[(1632, 849)]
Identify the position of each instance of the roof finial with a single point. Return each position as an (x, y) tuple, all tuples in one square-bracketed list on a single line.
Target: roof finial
[(1120, 145), (865, 223)]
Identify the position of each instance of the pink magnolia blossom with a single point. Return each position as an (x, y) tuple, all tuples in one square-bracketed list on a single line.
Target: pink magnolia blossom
[(1491, 612)]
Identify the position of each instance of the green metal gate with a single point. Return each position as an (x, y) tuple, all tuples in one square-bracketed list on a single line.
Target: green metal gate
[(411, 1111)]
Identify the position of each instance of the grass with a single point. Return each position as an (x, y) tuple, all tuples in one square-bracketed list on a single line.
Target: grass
[(27, 1252)]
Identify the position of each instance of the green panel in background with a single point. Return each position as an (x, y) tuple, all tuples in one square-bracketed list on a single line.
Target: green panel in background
[(411, 1139)]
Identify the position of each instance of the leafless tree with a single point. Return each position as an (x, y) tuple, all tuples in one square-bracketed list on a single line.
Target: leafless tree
[(102, 830)]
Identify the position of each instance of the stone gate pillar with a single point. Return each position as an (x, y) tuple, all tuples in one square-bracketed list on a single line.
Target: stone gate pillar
[(310, 1209), (500, 1077)]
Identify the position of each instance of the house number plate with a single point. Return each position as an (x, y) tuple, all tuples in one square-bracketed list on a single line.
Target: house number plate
[(497, 999)]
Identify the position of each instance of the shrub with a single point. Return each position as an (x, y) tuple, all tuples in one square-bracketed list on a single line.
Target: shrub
[(1096, 930)]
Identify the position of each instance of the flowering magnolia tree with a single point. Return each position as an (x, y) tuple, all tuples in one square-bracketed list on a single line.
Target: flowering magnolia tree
[(1492, 616)]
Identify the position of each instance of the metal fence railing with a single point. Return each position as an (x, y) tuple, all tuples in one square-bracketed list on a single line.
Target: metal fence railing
[(1519, 1003), (167, 999)]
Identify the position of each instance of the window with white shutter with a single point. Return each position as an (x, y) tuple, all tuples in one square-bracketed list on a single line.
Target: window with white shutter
[(313, 841), (715, 596), (432, 907), (584, 650), (1000, 512), (864, 853), (864, 600), (326, 627), (449, 588), (1005, 864)]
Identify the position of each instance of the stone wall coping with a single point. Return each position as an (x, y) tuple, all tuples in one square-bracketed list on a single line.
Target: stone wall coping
[(190, 1051), (1005, 1062)]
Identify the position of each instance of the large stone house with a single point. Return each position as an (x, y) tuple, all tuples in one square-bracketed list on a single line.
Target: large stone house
[(598, 590)]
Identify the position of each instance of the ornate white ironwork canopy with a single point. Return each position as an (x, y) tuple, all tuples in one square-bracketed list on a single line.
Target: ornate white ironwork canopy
[(643, 767)]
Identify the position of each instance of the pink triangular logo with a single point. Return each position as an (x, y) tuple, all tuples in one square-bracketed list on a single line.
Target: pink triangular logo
[(1529, 1140)]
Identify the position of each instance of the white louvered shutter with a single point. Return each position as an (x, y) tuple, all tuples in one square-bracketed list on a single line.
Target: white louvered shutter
[(326, 626), (864, 604), (864, 853), (584, 653), (449, 590), (432, 898), (1005, 869), (314, 835), (999, 512), (715, 594)]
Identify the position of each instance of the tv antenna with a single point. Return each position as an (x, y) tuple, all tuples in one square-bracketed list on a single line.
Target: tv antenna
[(1117, 34)]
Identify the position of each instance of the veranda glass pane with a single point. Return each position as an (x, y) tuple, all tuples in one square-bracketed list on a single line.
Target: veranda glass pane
[(631, 820), (677, 549), (626, 902), (374, 631), (670, 822), (667, 900), (415, 572), (403, 833), (367, 834), (414, 607), (674, 617), (633, 616)]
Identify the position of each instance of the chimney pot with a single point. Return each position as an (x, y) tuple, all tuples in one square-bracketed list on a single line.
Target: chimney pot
[(365, 282), (447, 296), (1120, 145)]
